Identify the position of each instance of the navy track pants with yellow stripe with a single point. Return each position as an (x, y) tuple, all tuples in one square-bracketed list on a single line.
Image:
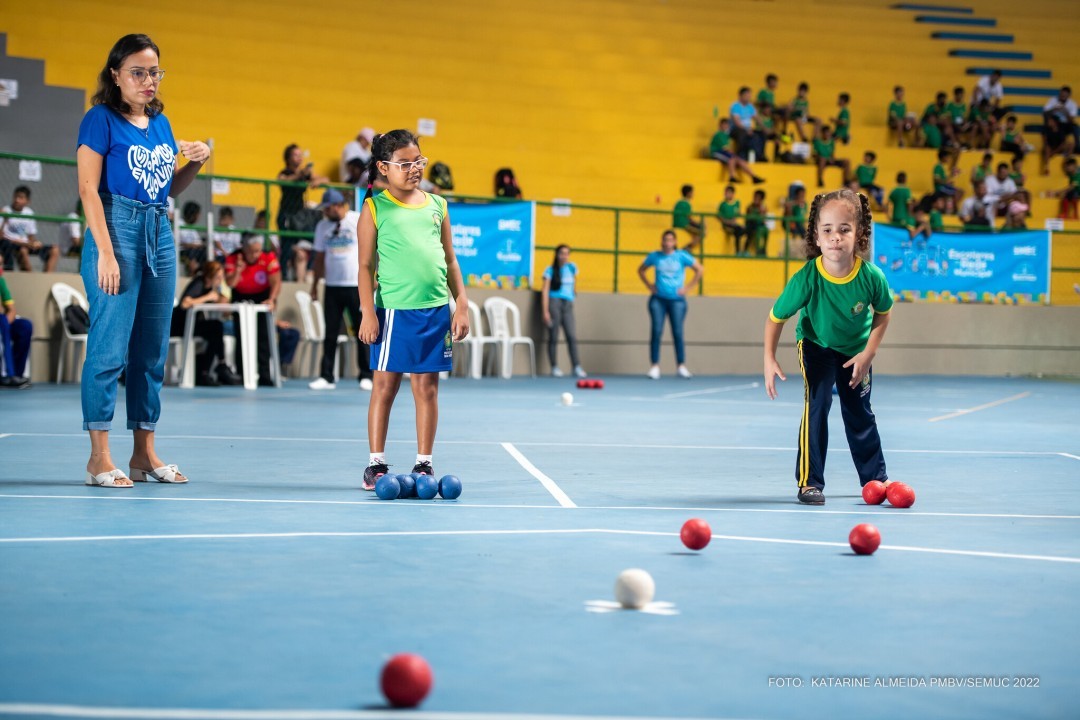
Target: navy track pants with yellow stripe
[(821, 368)]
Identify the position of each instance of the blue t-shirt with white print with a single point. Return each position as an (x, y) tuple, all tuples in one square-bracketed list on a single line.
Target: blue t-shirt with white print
[(670, 271), (137, 164), (566, 274)]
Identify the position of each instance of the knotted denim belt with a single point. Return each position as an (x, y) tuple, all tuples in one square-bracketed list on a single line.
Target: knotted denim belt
[(151, 215)]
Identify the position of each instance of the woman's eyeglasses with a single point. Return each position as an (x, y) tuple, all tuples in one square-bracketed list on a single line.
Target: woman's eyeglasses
[(139, 75)]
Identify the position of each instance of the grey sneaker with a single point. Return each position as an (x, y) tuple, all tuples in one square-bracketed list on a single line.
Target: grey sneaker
[(372, 473), (811, 496)]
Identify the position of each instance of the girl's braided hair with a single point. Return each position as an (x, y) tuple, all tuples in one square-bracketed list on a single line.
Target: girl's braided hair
[(861, 206)]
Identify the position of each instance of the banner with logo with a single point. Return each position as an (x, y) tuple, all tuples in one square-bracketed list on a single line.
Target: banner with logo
[(1005, 267), (494, 243)]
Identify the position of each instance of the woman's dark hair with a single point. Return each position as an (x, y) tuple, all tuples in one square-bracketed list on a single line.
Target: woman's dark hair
[(668, 232), (858, 203), (288, 151), (556, 269), (209, 269), (108, 90), (383, 148)]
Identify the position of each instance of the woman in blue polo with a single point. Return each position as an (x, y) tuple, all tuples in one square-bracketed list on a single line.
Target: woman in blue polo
[(127, 164), (668, 298), (557, 298)]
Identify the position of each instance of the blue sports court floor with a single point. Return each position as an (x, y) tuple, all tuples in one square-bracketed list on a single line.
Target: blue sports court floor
[(271, 587)]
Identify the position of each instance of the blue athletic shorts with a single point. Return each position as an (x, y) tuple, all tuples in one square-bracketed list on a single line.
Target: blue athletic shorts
[(413, 341)]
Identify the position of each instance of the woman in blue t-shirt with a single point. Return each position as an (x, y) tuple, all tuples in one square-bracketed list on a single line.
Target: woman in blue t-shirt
[(668, 298), (557, 297), (127, 163)]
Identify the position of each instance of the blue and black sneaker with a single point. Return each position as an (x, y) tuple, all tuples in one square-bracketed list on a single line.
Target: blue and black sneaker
[(372, 473)]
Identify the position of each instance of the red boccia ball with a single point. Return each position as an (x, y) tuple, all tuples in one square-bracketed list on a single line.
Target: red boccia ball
[(873, 492), (695, 533), (864, 539), (900, 495), (599, 385), (582, 384), (406, 680)]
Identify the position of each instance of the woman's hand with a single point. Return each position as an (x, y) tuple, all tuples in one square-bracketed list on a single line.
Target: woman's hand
[(196, 151), (108, 271)]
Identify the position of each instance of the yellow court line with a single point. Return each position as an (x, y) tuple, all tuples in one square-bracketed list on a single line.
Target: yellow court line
[(958, 413)]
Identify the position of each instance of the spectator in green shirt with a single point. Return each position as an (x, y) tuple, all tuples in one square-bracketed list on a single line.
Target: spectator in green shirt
[(935, 125), (756, 228), (900, 201), (729, 212), (1071, 194), (983, 169), (767, 94), (720, 148), (937, 218), (983, 125), (958, 110), (865, 174), (842, 121), (15, 334), (1011, 139), (799, 112), (943, 176), (795, 214), (681, 217), (825, 155), (898, 116)]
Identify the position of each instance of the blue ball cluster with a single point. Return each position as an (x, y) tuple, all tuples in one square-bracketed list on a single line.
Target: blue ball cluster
[(417, 485)]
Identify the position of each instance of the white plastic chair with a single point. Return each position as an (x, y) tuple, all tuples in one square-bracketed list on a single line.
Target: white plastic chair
[(475, 343), (312, 339), (344, 346), (65, 295), (504, 319)]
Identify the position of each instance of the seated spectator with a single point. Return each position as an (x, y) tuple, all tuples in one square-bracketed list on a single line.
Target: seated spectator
[(898, 116), (271, 240), (944, 171), (681, 217), (795, 214), (937, 210), (799, 112), (865, 174), (756, 228), (989, 88), (70, 240), (983, 125), (825, 156), (15, 335), (1016, 216), (958, 115), (1000, 191), (359, 148), (842, 121), (1070, 196), (255, 276), (506, 185), (226, 237), (729, 213), (765, 132), (355, 173), (973, 210), (900, 202), (1060, 135), (985, 168), (766, 98), (935, 124), (1011, 139), (920, 225), (18, 237), (205, 288), (748, 145), (192, 245), (720, 148), (1016, 172)]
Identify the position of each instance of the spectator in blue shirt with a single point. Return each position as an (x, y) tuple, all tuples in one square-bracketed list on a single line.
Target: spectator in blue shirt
[(743, 113), (557, 297), (668, 298)]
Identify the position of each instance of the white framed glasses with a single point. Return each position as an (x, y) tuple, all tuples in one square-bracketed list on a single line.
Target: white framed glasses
[(409, 166), (139, 75)]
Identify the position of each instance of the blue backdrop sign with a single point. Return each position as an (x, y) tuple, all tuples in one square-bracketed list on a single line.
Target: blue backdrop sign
[(1005, 267), (494, 242)]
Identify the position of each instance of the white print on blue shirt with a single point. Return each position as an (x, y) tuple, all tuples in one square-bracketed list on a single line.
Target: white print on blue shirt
[(151, 168)]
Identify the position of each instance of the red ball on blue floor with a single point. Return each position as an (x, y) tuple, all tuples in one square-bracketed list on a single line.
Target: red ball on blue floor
[(864, 539), (450, 487), (695, 533), (406, 680), (427, 487), (582, 384), (599, 384), (408, 486), (873, 492), (387, 487), (900, 495)]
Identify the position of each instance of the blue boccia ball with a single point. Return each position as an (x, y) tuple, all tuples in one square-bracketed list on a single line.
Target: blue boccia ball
[(427, 487), (408, 486), (387, 487), (450, 487)]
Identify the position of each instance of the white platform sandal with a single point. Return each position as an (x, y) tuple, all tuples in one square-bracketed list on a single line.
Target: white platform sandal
[(109, 478), (163, 474)]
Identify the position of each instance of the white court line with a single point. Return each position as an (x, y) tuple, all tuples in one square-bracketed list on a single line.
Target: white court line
[(571, 531), (1068, 455), (710, 391), (490, 506), (547, 482), (995, 403), (135, 713)]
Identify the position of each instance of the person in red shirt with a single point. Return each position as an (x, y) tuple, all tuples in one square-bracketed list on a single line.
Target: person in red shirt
[(255, 276)]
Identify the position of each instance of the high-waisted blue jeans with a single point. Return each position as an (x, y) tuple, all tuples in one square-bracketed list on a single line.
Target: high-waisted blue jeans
[(129, 329), (675, 310)]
